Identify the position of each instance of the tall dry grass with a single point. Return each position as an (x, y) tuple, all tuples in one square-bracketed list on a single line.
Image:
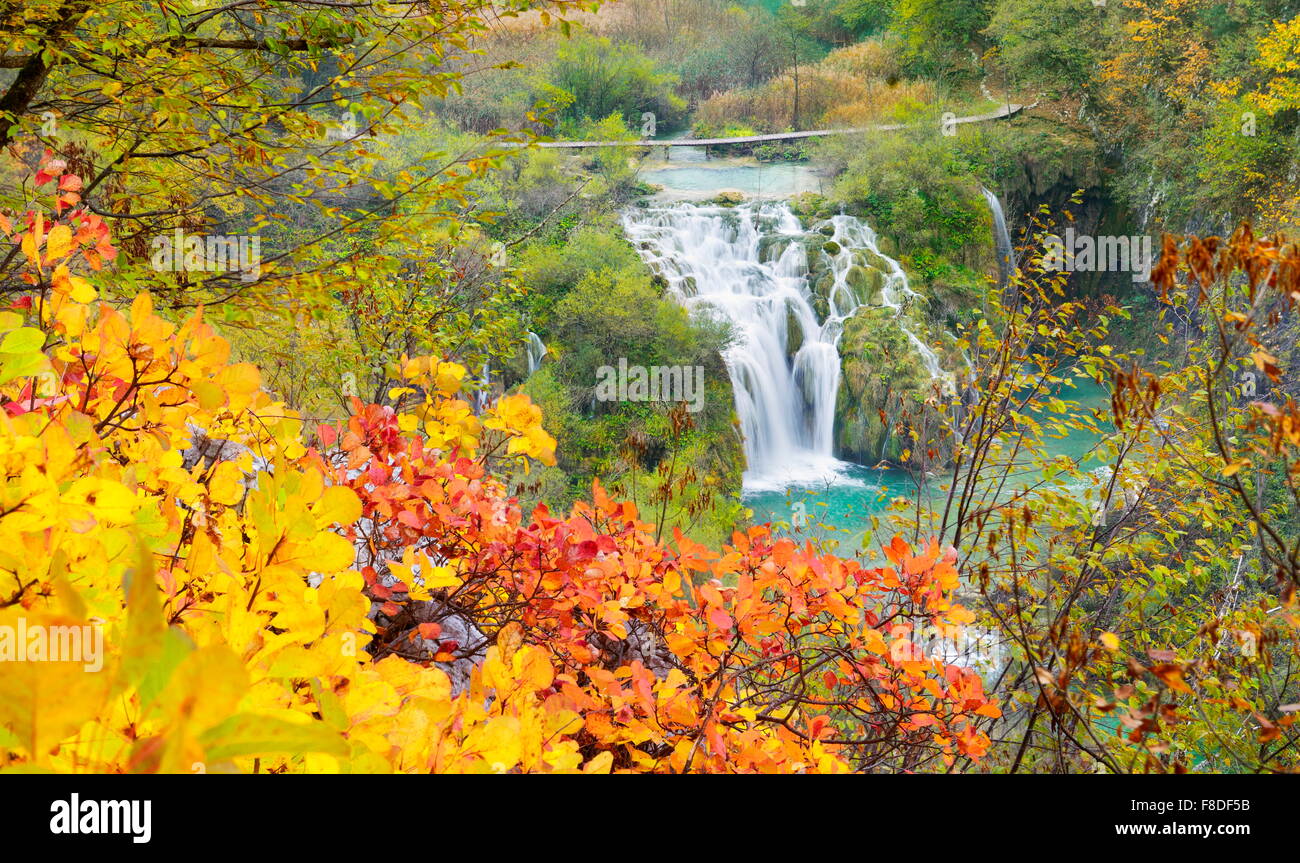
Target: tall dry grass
[(854, 86), (651, 24)]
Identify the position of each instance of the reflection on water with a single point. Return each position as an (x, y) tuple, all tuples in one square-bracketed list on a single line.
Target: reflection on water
[(686, 154), (690, 174), (685, 179)]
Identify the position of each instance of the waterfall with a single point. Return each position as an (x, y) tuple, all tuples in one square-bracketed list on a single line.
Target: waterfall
[(1002, 238), (483, 396), (749, 265), (536, 350)]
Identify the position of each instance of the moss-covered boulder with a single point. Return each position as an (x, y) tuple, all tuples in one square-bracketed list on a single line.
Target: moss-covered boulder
[(812, 248), (866, 283), (869, 258), (810, 207), (772, 246), (822, 283), (882, 389), (794, 334)]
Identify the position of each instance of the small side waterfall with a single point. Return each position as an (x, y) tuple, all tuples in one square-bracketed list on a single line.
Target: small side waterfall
[(750, 265), (1002, 238), (536, 351), (483, 396)]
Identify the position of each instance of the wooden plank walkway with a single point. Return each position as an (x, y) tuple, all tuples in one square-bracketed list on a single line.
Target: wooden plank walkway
[(1003, 113)]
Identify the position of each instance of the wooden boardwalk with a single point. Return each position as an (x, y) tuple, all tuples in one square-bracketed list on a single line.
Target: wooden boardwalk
[(1003, 113)]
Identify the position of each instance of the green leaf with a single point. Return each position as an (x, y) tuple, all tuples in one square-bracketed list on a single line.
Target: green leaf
[(252, 734), (23, 340)]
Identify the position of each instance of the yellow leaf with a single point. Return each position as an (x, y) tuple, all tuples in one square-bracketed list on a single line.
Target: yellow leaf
[(498, 743), (145, 626), (58, 244), (251, 734), (602, 763), (209, 394), (440, 576), (875, 641), (205, 688), (509, 638), (328, 552), (449, 377), (1235, 466), (532, 666), (338, 505), (82, 290), (226, 484)]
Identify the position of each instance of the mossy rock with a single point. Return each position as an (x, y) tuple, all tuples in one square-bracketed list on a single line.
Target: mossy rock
[(956, 296), (827, 229), (824, 284), (729, 197), (812, 248), (869, 258), (793, 333), (831, 248), (772, 246), (881, 373), (809, 206), (866, 282)]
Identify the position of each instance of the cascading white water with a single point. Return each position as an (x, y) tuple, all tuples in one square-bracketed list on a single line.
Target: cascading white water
[(749, 264), (536, 350), (484, 394), (1002, 237)]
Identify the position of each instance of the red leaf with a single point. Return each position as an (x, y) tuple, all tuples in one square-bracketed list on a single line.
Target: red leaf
[(719, 618)]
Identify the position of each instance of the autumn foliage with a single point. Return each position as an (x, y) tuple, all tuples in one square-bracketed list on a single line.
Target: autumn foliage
[(367, 597)]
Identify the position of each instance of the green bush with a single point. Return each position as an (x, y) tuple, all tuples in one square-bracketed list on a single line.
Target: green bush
[(603, 78)]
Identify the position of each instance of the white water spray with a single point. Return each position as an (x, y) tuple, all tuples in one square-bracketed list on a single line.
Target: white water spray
[(1002, 238), (536, 351)]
